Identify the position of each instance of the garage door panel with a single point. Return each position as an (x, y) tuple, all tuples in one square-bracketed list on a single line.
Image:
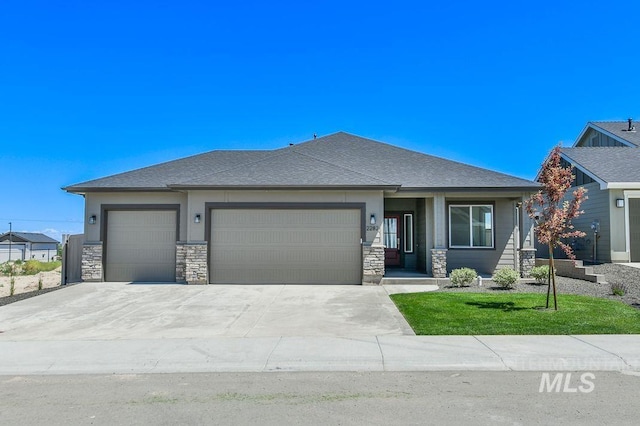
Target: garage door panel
[(286, 237), (286, 246), (141, 246)]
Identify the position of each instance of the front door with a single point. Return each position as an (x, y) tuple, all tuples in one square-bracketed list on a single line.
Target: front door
[(392, 240)]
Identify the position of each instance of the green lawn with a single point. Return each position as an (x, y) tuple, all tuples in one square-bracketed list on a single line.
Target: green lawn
[(514, 313)]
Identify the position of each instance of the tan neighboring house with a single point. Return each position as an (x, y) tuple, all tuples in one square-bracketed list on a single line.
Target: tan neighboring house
[(606, 161), (339, 209)]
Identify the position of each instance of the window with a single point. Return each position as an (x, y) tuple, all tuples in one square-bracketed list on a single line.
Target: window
[(408, 233), (471, 226)]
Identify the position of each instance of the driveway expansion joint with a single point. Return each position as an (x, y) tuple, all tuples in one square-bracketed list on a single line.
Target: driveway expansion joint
[(604, 350), (494, 352), (384, 368), (266, 363)]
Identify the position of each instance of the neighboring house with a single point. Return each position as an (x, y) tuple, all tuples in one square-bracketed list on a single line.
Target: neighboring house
[(339, 209), (606, 161), (27, 246)]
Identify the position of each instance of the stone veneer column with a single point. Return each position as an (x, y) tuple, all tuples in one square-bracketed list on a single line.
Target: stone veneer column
[(372, 264), (91, 262), (191, 263), (439, 263), (527, 261)]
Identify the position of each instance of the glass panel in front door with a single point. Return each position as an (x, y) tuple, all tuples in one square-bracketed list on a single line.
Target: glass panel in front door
[(391, 232)]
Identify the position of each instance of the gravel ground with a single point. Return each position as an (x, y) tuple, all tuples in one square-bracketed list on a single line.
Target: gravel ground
[(615, 273), (21, 296)]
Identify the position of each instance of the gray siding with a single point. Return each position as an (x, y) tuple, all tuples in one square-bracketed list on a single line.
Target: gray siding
[(595, 207), (486, 261), (595, 138)]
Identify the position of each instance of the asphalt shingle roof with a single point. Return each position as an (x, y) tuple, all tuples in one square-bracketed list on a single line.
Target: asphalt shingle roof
[(32, 237), (160, 175), (610, 164), (620, 129), (285, 168), (340, 159), (401, 166)]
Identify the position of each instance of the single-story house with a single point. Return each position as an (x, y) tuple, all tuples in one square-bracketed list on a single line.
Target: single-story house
[(338, 209), (27, 246), (606, 161)]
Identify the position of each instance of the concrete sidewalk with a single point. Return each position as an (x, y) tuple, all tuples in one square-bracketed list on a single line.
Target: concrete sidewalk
[(381, 353)]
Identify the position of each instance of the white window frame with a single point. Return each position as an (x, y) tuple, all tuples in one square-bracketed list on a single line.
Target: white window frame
[(408, 232), (471, 246)]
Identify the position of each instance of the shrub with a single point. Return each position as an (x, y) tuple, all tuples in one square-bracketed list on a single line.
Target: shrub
[(618, 289), (505, 277), (49, 266), (32, 267), (540, 273), (6, 268), (462, 276)]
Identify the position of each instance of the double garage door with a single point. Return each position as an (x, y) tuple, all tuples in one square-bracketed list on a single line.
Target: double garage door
[(246, 246), (285, 246)]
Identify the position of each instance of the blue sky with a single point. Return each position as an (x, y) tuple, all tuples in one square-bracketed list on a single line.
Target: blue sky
[(89, 89)]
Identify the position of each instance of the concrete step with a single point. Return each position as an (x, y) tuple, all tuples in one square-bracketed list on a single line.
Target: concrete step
[(412, 281)]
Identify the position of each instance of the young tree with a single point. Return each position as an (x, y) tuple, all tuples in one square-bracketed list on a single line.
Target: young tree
[(553, 212)]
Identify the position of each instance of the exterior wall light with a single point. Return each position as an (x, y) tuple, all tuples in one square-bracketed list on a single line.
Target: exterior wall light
[(620, 202), (197, 218), (372, 219), (93, 219)]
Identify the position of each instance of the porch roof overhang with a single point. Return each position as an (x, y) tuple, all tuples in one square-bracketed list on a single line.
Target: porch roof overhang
[(528, 189)]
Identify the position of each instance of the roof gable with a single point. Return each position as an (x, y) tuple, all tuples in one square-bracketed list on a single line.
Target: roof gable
[(616, 130)]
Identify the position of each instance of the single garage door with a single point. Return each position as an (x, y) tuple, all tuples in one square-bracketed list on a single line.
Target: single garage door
[(285, 246), (141, 246)]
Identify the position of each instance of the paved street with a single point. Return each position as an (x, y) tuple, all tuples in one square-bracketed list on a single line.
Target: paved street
[(478, 398)]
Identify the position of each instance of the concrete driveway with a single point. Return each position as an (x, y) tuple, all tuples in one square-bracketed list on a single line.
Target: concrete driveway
[(111, 311)]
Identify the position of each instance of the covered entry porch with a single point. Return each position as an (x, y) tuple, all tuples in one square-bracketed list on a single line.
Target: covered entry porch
[(431, 234)]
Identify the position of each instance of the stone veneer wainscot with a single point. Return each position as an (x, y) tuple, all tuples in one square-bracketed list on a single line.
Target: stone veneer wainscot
[(92, 262), (527, 261), (191, 263), (439, 263), (372, 264)]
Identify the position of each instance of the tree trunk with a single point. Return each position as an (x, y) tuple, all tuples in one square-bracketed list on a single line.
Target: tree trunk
[(552, 273)]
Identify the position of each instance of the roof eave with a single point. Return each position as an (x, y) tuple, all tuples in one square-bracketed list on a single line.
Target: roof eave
[(531, 188), (620, 185), (284, 187), (85, 189)]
